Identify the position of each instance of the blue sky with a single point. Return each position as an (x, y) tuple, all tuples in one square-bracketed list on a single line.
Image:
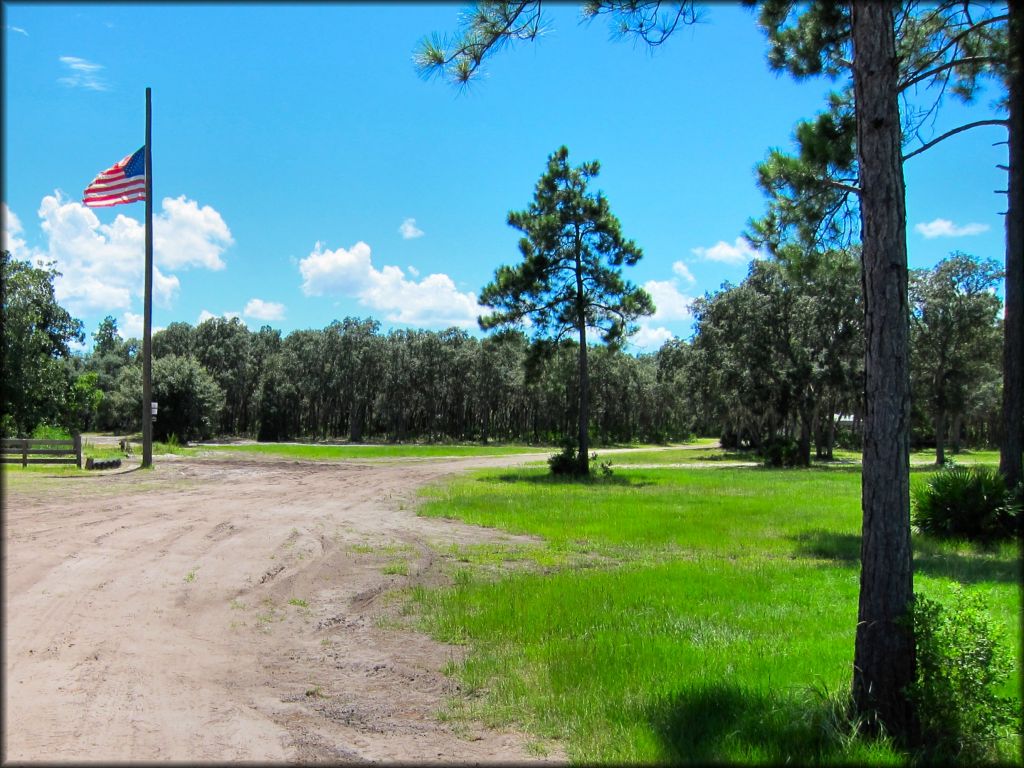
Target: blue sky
[(304, 171)]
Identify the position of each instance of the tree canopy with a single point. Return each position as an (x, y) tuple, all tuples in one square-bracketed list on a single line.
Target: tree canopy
[(37, 338)]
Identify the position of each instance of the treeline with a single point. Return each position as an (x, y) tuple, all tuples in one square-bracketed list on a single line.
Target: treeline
[(351, 381), (776, 360)]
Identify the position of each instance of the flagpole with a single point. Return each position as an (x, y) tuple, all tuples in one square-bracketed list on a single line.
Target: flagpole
[(147, 322)]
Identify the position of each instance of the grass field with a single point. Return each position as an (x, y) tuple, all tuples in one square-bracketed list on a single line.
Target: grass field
[(703, 451), (677, 615)]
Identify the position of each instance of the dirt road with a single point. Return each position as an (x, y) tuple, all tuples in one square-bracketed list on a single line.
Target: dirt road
[(222, 609)]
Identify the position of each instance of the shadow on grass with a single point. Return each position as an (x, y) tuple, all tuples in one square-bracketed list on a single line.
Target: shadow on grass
[(723, 723), (931, 558), (549, 479)]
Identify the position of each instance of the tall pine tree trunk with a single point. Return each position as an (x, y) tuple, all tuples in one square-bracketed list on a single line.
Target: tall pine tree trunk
[(940, 437), (884, 659), (1013, 339), (583, 427)]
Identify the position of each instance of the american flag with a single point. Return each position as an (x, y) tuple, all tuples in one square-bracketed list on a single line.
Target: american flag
[(125, 182)]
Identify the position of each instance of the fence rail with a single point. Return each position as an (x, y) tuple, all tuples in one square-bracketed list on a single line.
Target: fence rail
[(16, 450)]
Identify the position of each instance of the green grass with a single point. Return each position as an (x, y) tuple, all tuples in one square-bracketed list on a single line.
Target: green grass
[(320, 452), (677, 455), (682, 615), (706, 453)]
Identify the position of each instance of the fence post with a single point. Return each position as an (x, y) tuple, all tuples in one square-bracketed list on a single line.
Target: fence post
[(24, 453), (78, 448)]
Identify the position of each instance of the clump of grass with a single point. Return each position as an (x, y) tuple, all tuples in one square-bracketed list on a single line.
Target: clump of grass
[(397, 568)]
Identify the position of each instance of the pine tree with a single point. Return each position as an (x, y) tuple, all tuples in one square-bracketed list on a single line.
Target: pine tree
[(570, 278)]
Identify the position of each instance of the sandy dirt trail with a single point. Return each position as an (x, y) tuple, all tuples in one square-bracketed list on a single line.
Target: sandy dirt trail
[(148, 616)]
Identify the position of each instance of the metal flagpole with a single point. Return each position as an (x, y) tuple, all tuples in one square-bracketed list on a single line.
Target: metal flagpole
[(147, 322)]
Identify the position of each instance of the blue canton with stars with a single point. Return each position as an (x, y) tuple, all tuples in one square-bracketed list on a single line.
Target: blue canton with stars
[(137, 165)]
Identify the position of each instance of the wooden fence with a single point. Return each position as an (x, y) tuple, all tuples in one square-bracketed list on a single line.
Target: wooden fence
[(21, 451)]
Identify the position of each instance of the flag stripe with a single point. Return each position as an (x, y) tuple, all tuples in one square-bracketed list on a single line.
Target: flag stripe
[(116, 201), (115, 186), (127, 197)]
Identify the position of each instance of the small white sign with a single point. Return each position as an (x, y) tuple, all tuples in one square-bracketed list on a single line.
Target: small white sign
[(152, 408)]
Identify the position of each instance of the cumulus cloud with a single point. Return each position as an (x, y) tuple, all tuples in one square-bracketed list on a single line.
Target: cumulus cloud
[(737, 253), (946, 228), (185, 235), (264, 310), (669, 303), (82, 74), (103, 265), (206, 314), (650, 338), (13, 240), (409, 230), (431, 301), (130, 326), (681, 270)]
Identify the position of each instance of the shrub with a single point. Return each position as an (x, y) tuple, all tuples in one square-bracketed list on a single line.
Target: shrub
[(567, 462), (966, 502), (47, 432), (781, 452), (961, 659)]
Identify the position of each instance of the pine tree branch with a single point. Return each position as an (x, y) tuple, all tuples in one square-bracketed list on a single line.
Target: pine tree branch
[(973, 27), (948, 65), (835, 183), (954, 132), (475, 46)]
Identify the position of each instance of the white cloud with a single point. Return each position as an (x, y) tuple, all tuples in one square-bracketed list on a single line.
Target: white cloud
[(431, 301), (737, 253), (185, 235), (13, 241), (946, 228), (264, 310), (206, 314), (131, 326), (669, 303), (649, 338), (103, 265), (19, 30), (409, 230), (82, 74), (683, 271)]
